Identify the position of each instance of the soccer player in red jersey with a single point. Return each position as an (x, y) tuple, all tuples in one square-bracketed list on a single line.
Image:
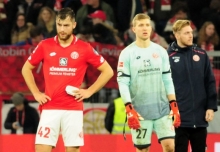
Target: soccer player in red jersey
[(65, 60)]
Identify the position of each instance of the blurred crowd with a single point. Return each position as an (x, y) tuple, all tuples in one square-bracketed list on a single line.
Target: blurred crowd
[(27, 22), (109, 21)]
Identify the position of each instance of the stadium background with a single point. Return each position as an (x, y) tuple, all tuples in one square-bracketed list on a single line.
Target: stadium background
[(97, 138)]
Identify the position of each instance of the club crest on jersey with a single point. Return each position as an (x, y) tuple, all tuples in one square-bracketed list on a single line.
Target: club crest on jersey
[(147, 63), (176, 58), (155, 55), (74, 55), (63, 61)]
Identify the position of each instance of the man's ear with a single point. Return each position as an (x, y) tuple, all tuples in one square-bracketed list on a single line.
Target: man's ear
[(133, 29), (74, 25), (176, 35)]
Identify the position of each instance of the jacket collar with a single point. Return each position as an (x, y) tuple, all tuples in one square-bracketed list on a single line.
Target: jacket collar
[(173, 47)]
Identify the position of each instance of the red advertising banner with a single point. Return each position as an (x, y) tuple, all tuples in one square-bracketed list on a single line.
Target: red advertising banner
[(12, 59), (111, 54), (94, 143)]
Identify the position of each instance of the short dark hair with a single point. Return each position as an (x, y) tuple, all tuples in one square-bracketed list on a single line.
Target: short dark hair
[(35, 31), (65, 12)]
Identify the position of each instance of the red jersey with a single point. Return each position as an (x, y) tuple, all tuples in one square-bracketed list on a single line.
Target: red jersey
[(62, 67)]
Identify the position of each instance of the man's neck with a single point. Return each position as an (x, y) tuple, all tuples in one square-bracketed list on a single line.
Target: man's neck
[(181, 45), (142, 43), (65, 43)]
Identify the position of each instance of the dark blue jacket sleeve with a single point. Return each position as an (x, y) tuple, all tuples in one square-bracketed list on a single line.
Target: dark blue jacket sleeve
[(210, 87)]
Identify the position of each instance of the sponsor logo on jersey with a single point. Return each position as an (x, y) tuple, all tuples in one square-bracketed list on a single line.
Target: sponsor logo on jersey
[(52, 53), (58, 71), (149, 70), (74, 55), (63, 61), (63, 69), (147, 63)]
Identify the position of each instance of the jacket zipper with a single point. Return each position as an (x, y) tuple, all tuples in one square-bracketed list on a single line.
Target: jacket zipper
[(191, 86)]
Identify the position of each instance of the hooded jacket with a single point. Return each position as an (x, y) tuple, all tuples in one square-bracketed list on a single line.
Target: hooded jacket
[(194, 84)]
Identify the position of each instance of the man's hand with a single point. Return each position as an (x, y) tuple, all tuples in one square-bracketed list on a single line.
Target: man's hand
[(41, 98), (15, 125), (209, 115), (133, 117), (82, 94), (175, 113)]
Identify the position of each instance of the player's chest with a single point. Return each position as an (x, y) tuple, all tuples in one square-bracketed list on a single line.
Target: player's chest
[(187, 61), (66, 57), (147, 60)]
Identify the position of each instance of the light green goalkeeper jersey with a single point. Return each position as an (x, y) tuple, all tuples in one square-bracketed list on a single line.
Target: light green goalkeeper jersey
[(144, 78)]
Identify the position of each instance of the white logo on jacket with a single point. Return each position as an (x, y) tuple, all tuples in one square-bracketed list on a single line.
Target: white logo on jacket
[(176, 58)]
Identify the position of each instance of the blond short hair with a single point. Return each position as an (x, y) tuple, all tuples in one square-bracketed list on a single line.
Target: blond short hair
[(138, 17), (179, 24)]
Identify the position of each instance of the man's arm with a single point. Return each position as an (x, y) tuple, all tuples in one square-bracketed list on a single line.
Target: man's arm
[(29, 79), (169, 86), (8, 121), (210, 86), (124, 76), (171, 97), (104, 77)]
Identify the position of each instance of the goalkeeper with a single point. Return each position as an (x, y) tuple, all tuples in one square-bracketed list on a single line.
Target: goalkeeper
[(146, 87)]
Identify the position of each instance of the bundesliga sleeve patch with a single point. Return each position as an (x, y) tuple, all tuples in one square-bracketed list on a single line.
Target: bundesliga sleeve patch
[(121, 64)]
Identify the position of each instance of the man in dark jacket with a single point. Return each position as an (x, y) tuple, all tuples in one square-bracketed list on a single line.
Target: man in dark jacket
[(21, 118), (195, 90)]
